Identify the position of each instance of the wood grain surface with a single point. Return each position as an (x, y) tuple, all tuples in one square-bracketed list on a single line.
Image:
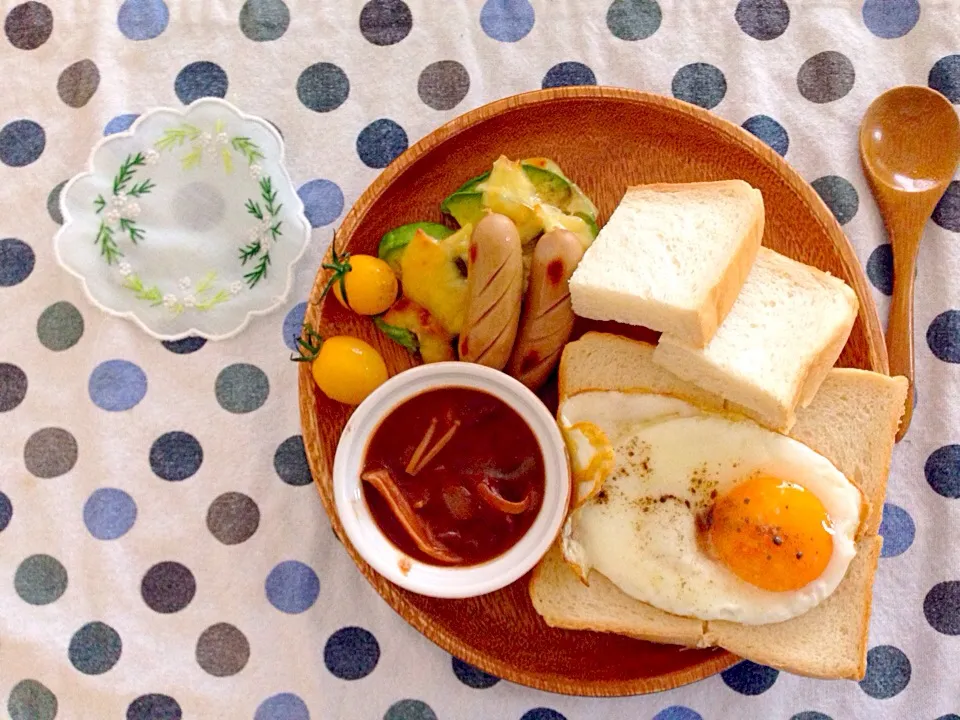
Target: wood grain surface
[(605, 139)]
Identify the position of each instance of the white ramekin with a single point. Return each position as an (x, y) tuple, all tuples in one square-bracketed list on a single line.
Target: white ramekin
[(384, 556)]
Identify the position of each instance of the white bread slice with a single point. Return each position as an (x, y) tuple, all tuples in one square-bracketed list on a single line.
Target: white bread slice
[(672, 258), (851, 421), (784, 333)]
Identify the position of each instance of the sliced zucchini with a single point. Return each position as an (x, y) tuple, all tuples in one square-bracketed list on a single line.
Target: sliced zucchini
[(465, 207), (552, 219), (393, 243), (591, 222), (552, 188), (472, 183)]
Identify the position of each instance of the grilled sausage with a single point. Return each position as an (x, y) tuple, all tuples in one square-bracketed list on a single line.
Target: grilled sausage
[(547, 315), (494, 289)]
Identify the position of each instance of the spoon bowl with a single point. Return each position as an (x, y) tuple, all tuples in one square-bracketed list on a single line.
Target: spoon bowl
[(909, 148)]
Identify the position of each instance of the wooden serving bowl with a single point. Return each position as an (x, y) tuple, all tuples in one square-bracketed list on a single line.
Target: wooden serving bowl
[(605, 139)]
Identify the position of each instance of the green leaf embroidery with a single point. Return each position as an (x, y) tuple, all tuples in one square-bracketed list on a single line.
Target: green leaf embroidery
[(99, 203), (249, 149), (126, 171), (192, 158), (259, 271), (108, 246), (142, 188), (132, 229), (177, 136)]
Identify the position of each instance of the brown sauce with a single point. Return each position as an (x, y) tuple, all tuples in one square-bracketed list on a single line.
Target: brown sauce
[(467, 503)]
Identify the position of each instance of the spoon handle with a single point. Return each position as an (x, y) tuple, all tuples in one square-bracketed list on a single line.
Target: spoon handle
[(904, 243)]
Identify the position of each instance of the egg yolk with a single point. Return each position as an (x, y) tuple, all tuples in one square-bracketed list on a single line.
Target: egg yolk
[(773, 534)]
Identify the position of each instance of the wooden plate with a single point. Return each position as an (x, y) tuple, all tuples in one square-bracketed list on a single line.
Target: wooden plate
[(606, 139)]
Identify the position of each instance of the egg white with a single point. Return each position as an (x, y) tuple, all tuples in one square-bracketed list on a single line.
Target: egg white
[(654, 556)]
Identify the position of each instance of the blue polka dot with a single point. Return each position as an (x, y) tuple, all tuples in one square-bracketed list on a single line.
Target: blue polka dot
[(888, 672), (507, 20), (109, 513), (699, 83), (119, 123), (380, 142), (292, 587), (175, 456), (542, 713), (839, 195), (117, 385), (677, 712), (472, 676), (16, 261), (95, 648), (322, 201), (6, 511), (950, 716), (896, 529), (200, 79), (770, 131), (351, 653), (748, 678), (942, 470), (143, 19), (184, 346), (943, 336), (880, 268), (568, 73), (944, 77), (283, 706), (21, 143), (292, 325), (890, 18), (810, 715)]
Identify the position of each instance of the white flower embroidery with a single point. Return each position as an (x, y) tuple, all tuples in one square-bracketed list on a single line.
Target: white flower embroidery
[(124, 268), (111, 217), (255, 171), (222, 138), (235, 287), (185, 283), (169, 300), (151, 157), (266, 243), (206, 138), (132, 210), (254, 234), (189, 301)]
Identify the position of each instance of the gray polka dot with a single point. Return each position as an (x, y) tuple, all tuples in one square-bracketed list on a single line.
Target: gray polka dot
[(826, 77), (633, 19), (839, 195), (40, 579), (29, 25), (323, 87), (443, 84), (31, 700), (198, 207), (95, 648), (233, 518), (290, 462), (60, 326), (263, 20), (78, 83), (241, 388), (410, 710), (763, 19), (222, 650), (53, 204), (947, 212), (385, 22), (168, 587), (13, 386), (50, 452)]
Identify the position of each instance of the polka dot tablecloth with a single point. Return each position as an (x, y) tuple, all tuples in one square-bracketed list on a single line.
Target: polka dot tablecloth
[(163, 553)]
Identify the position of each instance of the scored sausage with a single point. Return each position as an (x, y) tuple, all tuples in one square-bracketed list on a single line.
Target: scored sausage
[(494, 290), (547, 315)]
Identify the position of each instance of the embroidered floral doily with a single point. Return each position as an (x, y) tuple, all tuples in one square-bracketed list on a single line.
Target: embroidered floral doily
[(188, 223)]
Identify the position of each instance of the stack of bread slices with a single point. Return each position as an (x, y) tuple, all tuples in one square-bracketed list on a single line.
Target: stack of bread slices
[(750, 331)]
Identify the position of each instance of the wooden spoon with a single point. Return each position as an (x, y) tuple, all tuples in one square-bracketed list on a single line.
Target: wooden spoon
[(909, 147)]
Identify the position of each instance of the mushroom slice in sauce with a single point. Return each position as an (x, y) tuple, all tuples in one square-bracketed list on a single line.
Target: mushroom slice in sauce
[(382, 481)]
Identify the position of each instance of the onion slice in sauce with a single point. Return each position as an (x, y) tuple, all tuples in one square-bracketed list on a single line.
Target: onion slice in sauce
[(382, 481), (421, 448), (441, 443), (498, 502)]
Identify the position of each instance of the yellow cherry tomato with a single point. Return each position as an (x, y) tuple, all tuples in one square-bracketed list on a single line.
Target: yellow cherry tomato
[(370, 283), (347, 369)]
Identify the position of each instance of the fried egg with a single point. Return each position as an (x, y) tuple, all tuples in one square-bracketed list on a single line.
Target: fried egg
[(706, 515)]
